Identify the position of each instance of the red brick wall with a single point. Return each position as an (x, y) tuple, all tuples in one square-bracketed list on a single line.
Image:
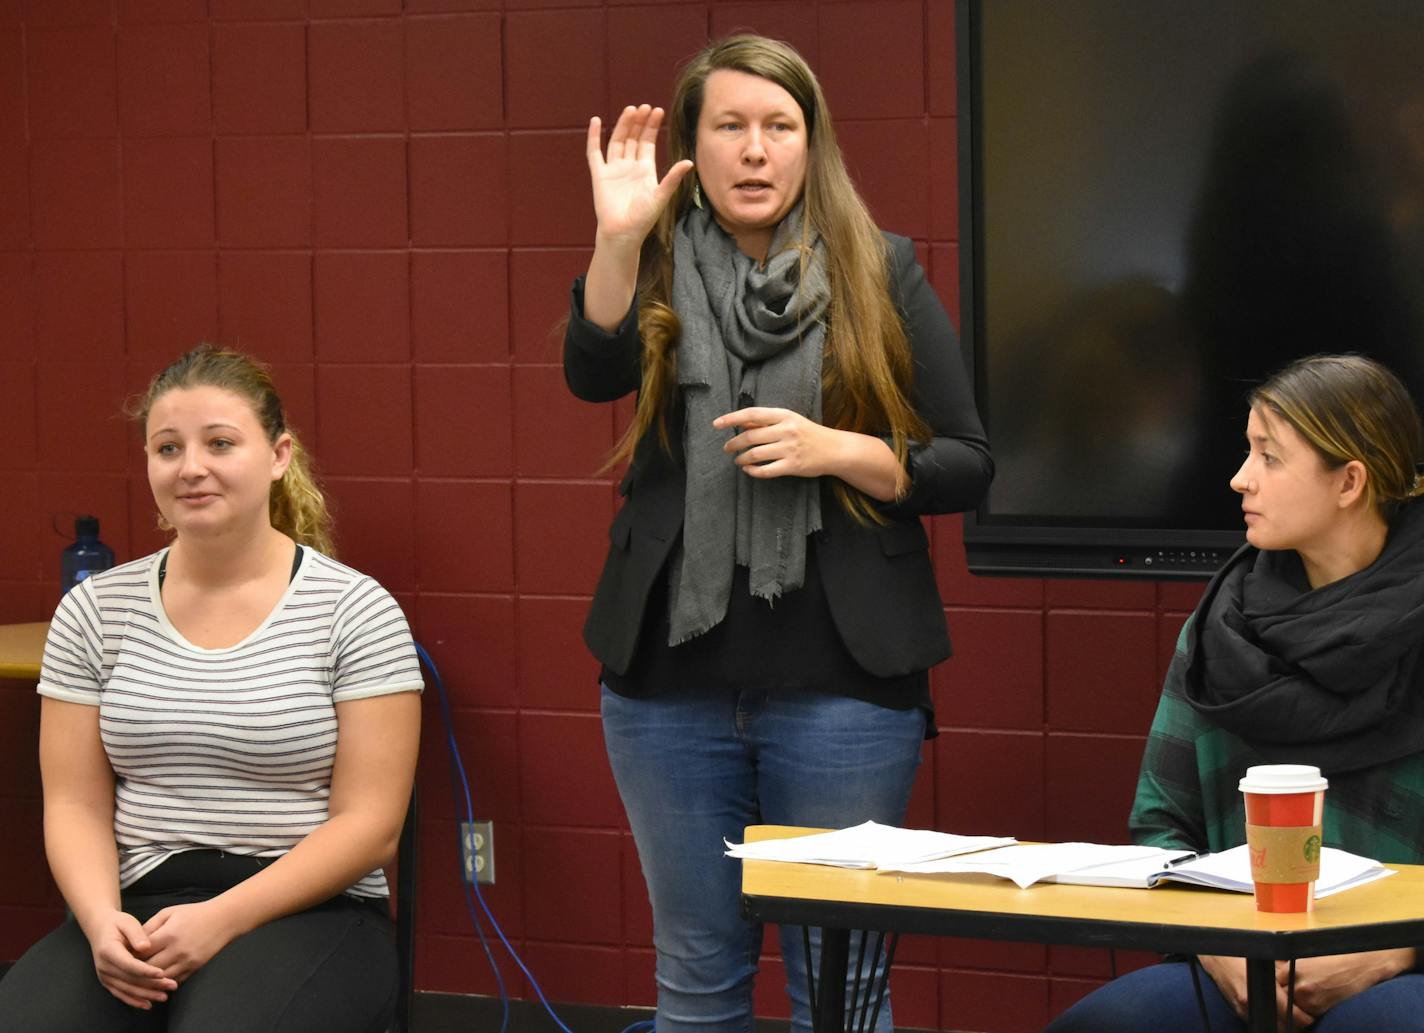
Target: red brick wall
[(387, 201)]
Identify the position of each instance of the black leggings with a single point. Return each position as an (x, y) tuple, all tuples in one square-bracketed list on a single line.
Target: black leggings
[(329, 969)]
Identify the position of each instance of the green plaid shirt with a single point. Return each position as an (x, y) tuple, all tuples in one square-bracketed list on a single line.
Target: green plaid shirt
[(1187, 795)]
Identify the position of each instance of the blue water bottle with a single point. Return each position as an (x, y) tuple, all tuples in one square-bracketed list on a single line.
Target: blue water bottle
[(86, 556)]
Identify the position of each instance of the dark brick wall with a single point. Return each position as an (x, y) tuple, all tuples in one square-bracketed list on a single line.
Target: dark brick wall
[(387, 201)]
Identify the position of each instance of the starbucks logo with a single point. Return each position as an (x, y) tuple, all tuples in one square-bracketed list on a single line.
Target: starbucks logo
[(1312, 849)]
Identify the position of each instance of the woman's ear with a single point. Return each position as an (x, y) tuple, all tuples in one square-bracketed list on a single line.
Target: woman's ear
[(281, 455), (1353, 481)]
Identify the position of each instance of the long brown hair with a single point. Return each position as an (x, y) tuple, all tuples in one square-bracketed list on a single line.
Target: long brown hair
[(297, 506), (1349, 408), (867, 369)]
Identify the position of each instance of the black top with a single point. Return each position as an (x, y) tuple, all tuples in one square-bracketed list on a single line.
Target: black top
[(789, 644), (296, 565)]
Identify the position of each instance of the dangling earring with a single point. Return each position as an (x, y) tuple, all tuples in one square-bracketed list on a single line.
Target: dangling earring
[(697, 193)]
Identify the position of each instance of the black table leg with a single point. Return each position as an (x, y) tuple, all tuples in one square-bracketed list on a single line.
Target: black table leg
[(835, 957), (1261, 995)]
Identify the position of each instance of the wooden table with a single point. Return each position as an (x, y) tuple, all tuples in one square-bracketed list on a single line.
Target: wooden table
[(1382, 914), (21, 646)]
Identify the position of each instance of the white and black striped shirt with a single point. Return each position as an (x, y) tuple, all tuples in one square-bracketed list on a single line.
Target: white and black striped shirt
[(227, 749)]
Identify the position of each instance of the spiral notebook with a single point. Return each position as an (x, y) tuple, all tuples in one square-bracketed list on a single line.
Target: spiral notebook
[(1228, 870), (1138, 867)]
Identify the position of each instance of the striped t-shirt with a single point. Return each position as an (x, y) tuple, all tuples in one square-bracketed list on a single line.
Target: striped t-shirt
[(228, 749)]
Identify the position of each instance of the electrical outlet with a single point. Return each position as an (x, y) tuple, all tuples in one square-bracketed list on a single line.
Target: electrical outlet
[(477, 851)]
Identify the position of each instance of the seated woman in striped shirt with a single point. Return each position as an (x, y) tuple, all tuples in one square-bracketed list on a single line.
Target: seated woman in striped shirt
[(228, 736)]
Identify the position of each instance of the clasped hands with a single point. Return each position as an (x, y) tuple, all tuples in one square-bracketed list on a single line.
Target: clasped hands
[(141, 964), (1320, 983)]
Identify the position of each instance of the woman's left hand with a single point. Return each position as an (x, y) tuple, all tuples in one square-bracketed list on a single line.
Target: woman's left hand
[(1321, 983), (781, 443), (185, 937)]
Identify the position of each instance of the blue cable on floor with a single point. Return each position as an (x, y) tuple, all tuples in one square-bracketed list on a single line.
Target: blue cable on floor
[(461, 783)]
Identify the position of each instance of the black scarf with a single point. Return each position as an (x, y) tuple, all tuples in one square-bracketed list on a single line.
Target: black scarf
[(1328, 676)]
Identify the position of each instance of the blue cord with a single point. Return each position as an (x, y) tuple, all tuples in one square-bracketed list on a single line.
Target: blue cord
[(462, 783)]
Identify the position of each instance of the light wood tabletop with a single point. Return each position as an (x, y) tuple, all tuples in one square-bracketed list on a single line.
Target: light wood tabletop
[(1381, 914), (21, 646), (1399, 897)]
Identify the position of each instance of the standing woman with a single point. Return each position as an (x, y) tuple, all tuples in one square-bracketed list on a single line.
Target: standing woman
[(767, 614), (228, 735)]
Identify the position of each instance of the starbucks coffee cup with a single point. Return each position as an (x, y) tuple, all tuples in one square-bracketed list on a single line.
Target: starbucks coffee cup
[(1284, 805)]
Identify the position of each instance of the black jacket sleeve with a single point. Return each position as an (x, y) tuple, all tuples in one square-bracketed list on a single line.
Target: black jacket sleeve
[(600, 366), (951, 472)]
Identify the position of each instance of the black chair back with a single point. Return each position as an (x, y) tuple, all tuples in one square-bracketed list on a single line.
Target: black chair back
[(407, 858)]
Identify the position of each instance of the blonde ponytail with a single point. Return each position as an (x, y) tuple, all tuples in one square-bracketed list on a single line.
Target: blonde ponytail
[(298, 506)]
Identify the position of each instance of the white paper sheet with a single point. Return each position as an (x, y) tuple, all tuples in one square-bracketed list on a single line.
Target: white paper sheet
[(1028, 863), (870, 845)]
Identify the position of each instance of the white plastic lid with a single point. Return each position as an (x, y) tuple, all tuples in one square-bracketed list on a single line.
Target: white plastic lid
[(1282, 778)]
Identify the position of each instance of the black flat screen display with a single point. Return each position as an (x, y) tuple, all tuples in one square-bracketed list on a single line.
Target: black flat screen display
[(1161, 204)]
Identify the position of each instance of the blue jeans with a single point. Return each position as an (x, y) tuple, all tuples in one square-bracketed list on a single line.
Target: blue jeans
[(1160, 999), (695, 770)]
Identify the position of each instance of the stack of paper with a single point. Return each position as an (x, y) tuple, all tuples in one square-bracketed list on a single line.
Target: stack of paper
[(865, 846), (1027, 863)]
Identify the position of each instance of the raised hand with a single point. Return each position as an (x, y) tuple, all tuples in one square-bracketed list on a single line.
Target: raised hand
[(627, 195)]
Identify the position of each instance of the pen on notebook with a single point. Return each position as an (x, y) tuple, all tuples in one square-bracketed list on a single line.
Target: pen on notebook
[(1180, 860)]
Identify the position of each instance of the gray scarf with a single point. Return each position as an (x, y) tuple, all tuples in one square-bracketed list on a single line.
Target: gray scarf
[(750, 336)]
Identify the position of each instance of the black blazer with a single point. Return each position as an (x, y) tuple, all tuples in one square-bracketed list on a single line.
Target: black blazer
[(878, 580)]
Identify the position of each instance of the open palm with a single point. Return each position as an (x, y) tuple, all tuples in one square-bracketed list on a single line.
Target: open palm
[(627, 194)]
